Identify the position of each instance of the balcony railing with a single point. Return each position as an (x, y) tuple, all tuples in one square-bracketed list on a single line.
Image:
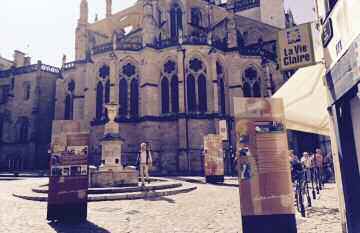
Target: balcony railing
[(196, 40), (72, 65), (247, 51), (165, 43), (29, 69), (50, 69), (132, 46), (246, 4), (103, 48)]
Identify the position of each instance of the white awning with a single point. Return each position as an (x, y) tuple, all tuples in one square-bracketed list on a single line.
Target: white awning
[(305, 101)]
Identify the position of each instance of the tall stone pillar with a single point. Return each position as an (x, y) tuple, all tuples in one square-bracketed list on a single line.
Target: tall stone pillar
[(113, 80), (149, 24), (108, 8), (181, 75), (214, 85), (149, 85), (183, 155)]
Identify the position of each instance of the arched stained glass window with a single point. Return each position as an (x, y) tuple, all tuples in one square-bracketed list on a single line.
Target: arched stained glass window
[(71, 86), (99, 100), (196, 17), (202, 93), (256, 90), (68, 107), (221, 87), (123, 97), (129, 91), (176, 22), (169, 88), (175, 94), (107, 92), (134, 99), (247, 90), (102, 92), (222, 95), (165, 96), (196, 86), (251, 83), (191, 93), (104, 72), (69, 101), (27, 91)]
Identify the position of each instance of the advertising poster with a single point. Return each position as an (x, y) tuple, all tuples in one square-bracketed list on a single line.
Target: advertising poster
[(68, 182), (296, 47), (266, 195), (213, 159)]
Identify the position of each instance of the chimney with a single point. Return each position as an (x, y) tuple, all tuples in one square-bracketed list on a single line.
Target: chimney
[(27, 61), (19, 58), (108, 8)]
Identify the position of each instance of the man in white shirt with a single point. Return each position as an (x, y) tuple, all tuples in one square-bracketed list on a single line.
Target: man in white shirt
[(145, 161), (307, 162)]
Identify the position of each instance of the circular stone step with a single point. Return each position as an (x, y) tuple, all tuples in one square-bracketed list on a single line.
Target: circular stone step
[(151, 187), (184, 188)]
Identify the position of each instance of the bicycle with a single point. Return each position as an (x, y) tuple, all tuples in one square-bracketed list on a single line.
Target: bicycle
[(302, 192)]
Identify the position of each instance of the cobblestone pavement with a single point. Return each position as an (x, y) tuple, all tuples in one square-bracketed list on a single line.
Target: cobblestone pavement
[(208, 209)]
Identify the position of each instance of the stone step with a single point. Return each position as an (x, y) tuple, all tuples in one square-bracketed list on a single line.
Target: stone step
[(184, 188), (151, 187)]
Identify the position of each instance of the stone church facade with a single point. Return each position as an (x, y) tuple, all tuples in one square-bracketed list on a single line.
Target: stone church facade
[(173, 67), (27, 108)]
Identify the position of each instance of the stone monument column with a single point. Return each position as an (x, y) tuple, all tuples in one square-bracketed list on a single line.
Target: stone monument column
[(112, 173), (111, 142)]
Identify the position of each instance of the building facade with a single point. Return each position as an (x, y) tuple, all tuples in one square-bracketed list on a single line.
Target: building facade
[(27, 100), (341, 41), (173, 68)]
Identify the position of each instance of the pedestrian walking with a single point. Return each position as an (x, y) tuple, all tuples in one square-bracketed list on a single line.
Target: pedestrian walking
[(145, 162), (328, 167), (307, 162), (295, 165), (319, 163)]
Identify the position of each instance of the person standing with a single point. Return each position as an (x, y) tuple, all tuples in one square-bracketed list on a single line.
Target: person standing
[(307, 162), (294, 165), (293, 158), (145, 161), (328, 167), (319, 163)]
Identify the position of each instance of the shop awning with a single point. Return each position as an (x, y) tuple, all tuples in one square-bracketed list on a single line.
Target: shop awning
[(305, 101)]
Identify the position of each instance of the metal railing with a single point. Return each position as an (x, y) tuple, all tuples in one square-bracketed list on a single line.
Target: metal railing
[(103, 48), (131, 46), (72, 65), (246, 4), (29, 69)]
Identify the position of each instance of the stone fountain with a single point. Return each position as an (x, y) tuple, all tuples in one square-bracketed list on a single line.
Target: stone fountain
[(112, 173)]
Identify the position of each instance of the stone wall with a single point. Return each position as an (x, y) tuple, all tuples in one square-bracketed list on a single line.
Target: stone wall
[(37, 110)]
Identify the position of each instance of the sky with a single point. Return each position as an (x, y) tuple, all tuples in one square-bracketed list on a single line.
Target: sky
[(45, 29)]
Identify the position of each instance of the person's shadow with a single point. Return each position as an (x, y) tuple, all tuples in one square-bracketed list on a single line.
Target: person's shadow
[(86, 226)]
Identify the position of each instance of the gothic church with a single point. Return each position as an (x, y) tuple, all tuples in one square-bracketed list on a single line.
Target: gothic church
[(173, 67)]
